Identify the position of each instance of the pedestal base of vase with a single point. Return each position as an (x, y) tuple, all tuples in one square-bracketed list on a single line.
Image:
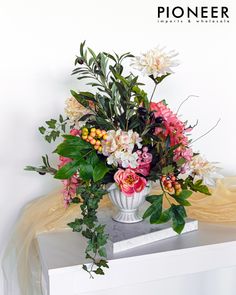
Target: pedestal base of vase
[(128, 206), (127, 217)]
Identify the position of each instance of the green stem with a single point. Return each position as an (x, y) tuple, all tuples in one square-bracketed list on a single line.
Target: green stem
[(153, 92), (165, 194)]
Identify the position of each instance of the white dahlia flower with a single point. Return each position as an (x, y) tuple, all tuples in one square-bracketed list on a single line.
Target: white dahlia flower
[(155, 62), (205, 170), (74, 111)]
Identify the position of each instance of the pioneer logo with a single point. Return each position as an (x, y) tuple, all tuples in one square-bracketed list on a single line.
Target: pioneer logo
[(193, 14)]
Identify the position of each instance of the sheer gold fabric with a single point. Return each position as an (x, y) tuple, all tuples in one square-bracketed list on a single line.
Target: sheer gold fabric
[(21, 265)]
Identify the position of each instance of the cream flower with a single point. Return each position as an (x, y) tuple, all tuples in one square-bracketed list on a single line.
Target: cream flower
[(201, 168), (155, 62), (74, 110), (118, 147)]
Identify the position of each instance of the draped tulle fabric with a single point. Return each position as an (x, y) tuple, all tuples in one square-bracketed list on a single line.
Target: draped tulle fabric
[(21, 265)]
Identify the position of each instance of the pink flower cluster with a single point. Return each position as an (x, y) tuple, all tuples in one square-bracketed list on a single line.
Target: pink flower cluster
[(70, 185), (144, 162), (129, 182), (174, 128)]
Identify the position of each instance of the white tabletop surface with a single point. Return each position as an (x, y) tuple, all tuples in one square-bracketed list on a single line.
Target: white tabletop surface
[(62, 249), (212, 247)]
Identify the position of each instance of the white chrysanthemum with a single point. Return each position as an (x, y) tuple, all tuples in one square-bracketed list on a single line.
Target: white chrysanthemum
[(118, 147), (156, 62), (74, 110), (201, 168)]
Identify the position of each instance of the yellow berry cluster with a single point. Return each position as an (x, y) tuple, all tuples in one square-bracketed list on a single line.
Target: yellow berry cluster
[(171, 184), (94, 136)]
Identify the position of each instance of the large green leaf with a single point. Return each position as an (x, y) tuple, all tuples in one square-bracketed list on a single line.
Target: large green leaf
[(73, 147), (99, 171), (86, 171), (67, 170)]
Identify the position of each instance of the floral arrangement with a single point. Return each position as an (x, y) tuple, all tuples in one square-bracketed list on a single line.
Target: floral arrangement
[(118, 134)]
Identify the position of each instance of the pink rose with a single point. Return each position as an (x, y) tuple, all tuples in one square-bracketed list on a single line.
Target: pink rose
[(129, 182)]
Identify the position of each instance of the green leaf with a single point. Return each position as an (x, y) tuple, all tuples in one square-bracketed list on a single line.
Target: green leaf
[(48, 138), (86, 171), (80, 99), (178, 215), (181, 198), (99, 171), (61, 119), (51, 123), (93, 159), (42, 129), (76, 225), (165, 216), (167, 169), (182, 201), (102, 252), (185, 194), (180, 162), (67, 170), (73, 147), (152, 198), (159, 79), (198, 186), (104, 124), (103, 263), (154, 211), (156, 214), (148, 212), (99, 271), (76, 200)]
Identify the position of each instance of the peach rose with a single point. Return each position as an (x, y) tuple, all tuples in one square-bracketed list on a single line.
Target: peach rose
[(129, 182)]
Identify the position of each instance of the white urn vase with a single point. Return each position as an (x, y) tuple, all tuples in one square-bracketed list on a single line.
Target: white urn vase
[(127, 206)]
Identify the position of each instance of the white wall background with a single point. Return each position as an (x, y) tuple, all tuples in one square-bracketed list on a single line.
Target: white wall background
[(39, 40)]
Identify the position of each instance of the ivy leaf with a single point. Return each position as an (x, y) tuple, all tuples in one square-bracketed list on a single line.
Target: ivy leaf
[(99, 271), (67, 170), (51, 123), (103, 263), (76, 225), (42, 129), (102, 252)]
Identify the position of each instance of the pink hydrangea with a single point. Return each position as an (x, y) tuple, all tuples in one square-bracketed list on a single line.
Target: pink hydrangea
[(70, 185), (129, 182), (144, 162)]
